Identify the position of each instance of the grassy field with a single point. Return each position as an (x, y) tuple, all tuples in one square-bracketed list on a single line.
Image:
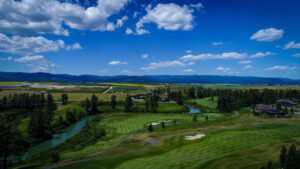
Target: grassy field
[(234, 86), (206, 102), (234, 145)]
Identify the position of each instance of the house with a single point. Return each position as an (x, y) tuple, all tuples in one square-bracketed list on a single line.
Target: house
[(275, 113), (262, 108), (286, 102)]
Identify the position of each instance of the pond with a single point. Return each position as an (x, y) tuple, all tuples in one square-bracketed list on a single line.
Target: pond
[(58, 138), (192, 109)]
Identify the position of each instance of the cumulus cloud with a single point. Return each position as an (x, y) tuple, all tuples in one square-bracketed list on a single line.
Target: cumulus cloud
[(167, 16), (128, 31), (30, 58), (117, 62), (144, 56), (28, 45), (292, 44), (217, 43), (156, 65), (281, 68), (221, 68), (197, 5), (75, 46), (49, 16), (230, 55), (244, 62), (296, 55), (32, 45), (188, 51), (248, 67), (6, 59), (188, 70), (268, 35), (260, 54), (37, 63)]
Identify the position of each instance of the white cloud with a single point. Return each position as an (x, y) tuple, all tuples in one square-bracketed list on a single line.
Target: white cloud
[(268, 35), (156, 65), (167, 16), (6, 59), (280, 68), (120, 22), (126, 71), (230, 55), (30, 58), (188, 51), (37, 62), (248, 67), (49, 16), (260, 54), (221, 68), (75, 46), (128, 31), (135, 14), (28, 45), (144, 56), (296, 55), (292, 44), (197, 5), (116, 62), (244, 62), (217, 43), (188, 70)]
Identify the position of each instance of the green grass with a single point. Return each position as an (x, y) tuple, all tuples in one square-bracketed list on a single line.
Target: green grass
[(233, 148), (206, 102)]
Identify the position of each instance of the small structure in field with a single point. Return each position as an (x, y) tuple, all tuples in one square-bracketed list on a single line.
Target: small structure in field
[(286, 102), (58, 103)]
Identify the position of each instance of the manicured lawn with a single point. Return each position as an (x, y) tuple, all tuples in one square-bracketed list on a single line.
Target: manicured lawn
[(205, 102), (233, 148)]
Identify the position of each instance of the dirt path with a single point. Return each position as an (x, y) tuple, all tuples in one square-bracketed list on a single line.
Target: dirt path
[(152, 143), (108, 89)]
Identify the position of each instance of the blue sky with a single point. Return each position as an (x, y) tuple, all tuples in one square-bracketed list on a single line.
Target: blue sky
[(126, 37)]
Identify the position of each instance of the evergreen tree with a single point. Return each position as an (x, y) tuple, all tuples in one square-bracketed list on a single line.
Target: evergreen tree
[(12, 143), (292, 161), (55, 157), (154, 103), (70, 116), (150, 127), (128, 104), (195, 118), (282, 157), (87, 105), (64, 99), (163, 124), (147, 104), (113, 101), (94, 103), (269, 165)]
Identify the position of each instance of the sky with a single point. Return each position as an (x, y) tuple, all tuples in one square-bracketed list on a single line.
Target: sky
[(143, 37)]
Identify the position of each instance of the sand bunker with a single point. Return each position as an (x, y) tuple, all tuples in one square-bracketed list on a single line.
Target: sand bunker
[(198, 136), (158, 122)]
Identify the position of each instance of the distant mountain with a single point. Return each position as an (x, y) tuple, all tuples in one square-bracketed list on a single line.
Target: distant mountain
[(47, 77)]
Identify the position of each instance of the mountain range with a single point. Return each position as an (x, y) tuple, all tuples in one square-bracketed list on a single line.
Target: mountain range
[(47, 77)]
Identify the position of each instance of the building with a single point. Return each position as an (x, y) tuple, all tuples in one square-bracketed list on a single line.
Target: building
[(260, 108), (286, 102), (275, 113)]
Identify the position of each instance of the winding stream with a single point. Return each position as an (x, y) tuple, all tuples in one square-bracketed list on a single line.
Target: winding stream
[(58, 138), (192, 109)]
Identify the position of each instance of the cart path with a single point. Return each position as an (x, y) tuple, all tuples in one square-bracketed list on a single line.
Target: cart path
[(152, 143)]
